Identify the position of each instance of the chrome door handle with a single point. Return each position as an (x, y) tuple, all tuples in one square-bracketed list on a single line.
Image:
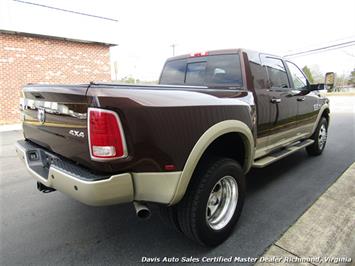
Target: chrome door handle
[(275, 100), (301, 99)]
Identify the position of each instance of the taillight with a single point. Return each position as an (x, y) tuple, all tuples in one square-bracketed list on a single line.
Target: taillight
[(106, 137)]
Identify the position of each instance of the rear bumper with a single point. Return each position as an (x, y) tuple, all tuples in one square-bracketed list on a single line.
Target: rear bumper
[(95, 190), (73, 180)]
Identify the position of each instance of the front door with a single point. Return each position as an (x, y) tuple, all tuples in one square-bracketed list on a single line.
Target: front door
[(308, 106)]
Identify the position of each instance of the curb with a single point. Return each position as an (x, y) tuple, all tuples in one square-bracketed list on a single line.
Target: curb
[(324, 234)]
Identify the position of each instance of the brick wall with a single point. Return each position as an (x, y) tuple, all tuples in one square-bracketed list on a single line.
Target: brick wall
[(27, 59)]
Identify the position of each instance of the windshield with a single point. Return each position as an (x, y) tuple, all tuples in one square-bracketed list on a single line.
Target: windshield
[(217, 70)]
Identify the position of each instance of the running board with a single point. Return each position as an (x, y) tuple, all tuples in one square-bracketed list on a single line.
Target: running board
[(275, 156)]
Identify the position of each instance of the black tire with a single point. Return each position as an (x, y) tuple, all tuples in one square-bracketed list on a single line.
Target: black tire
[(316, 148), (192, 211), (169, 216)]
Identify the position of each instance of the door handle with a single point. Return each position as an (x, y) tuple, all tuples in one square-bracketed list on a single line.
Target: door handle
[(301, 99), (275, 100)]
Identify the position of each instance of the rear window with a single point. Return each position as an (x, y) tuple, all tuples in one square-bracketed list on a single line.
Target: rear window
[(196, 73), (223, 70)]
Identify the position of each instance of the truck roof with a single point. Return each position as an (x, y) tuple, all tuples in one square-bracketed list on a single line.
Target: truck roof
[(212, 52), (217, 52)]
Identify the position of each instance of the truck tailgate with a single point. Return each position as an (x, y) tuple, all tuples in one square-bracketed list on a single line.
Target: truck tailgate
[(55, 117)]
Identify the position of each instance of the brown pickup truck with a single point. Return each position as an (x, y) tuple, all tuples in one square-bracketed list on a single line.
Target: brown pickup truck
[(184, 145)]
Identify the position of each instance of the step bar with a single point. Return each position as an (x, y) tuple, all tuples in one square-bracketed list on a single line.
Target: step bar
[(278, 155)]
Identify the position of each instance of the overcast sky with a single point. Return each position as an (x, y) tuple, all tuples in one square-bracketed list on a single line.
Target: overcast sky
[(146, 29)]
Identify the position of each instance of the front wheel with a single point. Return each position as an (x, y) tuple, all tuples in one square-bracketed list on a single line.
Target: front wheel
[(213, 202), (319, 137)]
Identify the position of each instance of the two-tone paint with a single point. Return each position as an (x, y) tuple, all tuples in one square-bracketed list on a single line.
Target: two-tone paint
[(174, 126)]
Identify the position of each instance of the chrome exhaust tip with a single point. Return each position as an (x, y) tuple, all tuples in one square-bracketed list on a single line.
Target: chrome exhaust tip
[(142, 211)]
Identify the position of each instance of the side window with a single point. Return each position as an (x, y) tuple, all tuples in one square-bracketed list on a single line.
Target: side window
[(174, 73), (276, 72), (299, 80), (258, 72)]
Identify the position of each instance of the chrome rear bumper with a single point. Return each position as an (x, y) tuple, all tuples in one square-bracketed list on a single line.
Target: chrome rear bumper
[(72, 180)]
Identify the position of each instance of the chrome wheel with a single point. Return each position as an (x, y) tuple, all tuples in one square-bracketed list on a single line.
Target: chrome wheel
[(322, 137), (222, 203)]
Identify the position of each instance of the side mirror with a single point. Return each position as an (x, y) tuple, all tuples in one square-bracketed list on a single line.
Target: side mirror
[(317, 87), (329, 79), (327, 85)]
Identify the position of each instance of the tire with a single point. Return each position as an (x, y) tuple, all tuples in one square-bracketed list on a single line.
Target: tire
[(169, 216), (205, 202), (319, 137)]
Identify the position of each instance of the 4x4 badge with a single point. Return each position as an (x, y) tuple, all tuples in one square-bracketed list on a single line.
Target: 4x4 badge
[(77, 133), (41, 116)]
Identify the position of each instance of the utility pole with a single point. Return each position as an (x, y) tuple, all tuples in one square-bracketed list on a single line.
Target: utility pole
[(173, 46)]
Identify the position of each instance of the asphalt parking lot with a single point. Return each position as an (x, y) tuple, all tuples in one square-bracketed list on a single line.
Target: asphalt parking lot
[(43, 229)]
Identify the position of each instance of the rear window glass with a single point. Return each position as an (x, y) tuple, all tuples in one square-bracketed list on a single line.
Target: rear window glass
[(210, 70), (195, 73), (174, 73)]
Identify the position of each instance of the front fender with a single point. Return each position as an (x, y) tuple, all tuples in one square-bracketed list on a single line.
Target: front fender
[(324, 108)]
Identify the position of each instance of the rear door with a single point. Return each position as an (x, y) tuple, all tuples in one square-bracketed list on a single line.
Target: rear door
[(263, 105), (283, 103), (55, 117)]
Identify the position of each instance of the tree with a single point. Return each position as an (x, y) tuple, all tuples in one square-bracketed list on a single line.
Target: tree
[(129, 79), (317, 74), (314, 74), (339, 81), (308, 73), (352, 78)]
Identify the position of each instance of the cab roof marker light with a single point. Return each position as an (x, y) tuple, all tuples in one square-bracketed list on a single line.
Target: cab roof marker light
[(198, 54)]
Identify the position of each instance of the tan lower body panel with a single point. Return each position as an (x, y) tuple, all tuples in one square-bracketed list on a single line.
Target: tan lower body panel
[(116, 189), (122, 188), (155, 187)]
